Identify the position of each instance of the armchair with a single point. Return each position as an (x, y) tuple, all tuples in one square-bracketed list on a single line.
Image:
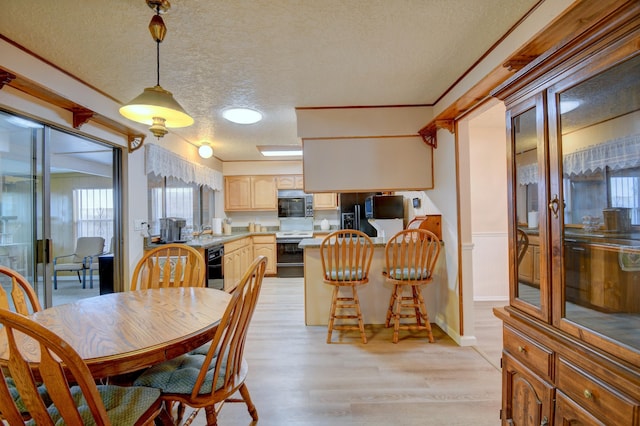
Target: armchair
[(85, 258)]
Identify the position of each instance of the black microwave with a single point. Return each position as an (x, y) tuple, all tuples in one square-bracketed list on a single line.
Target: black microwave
[(295, 204), (384, 207)]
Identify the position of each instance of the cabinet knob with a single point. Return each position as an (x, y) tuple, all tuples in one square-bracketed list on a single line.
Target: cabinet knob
[(545, 421), (522, 349), (587, 394)]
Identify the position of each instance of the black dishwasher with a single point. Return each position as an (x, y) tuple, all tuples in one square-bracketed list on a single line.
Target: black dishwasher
[(215, 276)]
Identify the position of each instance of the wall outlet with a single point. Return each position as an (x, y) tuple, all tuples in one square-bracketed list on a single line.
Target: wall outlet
[(139, 224)]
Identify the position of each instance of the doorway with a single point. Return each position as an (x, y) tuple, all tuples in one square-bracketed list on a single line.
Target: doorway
[(55, 187)]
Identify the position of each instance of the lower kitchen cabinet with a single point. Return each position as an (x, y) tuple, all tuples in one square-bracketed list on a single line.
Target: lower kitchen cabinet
[(238, 255), (265, 245)]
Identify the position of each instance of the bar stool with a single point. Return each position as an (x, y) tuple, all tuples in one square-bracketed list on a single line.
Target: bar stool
[(346, 259), (410, 258)]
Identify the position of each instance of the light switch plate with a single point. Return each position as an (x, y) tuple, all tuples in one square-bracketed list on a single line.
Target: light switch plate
[(138, 224)]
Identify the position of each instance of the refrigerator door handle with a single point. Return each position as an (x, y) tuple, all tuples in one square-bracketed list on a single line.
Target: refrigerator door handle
[(356, 222)]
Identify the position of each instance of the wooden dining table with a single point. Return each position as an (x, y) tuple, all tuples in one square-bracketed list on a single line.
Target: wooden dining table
[(120, 333)]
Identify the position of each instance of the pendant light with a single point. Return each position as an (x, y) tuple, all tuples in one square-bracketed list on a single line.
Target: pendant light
[(156, 106)]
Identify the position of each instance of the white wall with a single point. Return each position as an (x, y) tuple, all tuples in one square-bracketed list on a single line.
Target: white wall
[(488, 196)]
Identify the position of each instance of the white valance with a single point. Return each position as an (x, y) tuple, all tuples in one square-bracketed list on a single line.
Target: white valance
[(163, 162), (616, 154), (528, 174)]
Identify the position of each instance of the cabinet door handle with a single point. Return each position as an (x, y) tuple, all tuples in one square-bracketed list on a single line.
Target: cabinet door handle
[(545, 421), (554, 206)]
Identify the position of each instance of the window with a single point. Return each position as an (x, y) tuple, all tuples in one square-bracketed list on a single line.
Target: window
[(624, 190), (93, 213), (172, 197)]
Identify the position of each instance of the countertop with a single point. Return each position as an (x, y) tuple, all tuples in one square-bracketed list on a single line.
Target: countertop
[(598, 237), (238, 233)]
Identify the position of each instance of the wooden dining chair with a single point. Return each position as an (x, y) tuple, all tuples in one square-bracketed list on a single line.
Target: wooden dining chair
[(24, 299), (204, 380), (522, 244), (346, 257), (35, 383), (410, 259), (169, 265)]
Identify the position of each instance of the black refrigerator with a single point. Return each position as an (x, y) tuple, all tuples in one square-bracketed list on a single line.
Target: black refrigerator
[(352, 212)]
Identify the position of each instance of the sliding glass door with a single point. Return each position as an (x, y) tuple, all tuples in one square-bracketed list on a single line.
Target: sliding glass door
[(57, 208)]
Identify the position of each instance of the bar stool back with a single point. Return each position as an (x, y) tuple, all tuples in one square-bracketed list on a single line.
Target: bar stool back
[(410, 259), (346, 259)]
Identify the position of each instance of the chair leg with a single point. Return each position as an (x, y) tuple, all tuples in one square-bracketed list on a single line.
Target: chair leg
[(84, 278), (392, 299), (356, 302), (90, 278), (425, 315), (212, 417), (332, 313), (55, 280), (397, 308), (244, 391)]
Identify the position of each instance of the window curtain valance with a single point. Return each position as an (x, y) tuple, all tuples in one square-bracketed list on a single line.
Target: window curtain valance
[(616, 154), (163, 162)]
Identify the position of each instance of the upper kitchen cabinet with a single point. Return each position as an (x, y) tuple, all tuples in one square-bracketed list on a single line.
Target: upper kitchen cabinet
[(325, 201), (290, 182), (571, 327), (243, 193)]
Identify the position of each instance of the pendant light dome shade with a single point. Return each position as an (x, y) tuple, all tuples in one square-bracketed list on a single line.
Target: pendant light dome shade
[(155, 106), (156, 102)]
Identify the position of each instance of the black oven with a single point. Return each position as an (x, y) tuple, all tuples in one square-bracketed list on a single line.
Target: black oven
[(289, 257)]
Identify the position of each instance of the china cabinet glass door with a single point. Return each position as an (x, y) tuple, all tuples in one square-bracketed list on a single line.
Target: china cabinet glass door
[(526, 127), (595, 178)]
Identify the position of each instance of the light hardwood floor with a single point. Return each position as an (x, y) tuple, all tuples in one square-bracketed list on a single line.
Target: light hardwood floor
[(295, 378)]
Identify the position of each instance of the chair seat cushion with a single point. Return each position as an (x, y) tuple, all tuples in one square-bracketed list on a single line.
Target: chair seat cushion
[(355, 274), (124, 405), (408, 274), (11, 384), (68, 267), (179, 375)]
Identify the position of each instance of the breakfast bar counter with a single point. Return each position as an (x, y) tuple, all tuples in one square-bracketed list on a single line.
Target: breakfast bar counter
[(374, 296)]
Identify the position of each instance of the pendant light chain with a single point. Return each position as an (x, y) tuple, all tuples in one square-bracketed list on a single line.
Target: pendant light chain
[(158, 41)]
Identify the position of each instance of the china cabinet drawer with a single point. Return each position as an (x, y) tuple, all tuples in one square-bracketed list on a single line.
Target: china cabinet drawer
[(598, 398), (532, 354), (570, 413)]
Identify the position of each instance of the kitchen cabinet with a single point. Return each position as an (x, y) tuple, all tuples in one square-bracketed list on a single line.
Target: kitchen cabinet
[(246, 193), (265, 245), (571, 349), (290, 182), (238, 255), (325, 201)]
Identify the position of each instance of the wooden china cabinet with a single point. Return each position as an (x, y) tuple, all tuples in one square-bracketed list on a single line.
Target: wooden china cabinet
[(571, 337)]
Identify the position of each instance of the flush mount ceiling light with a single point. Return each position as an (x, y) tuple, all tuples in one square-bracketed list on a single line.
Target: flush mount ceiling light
[(280, 150), (242, 115), (156, 106), (205, 150), (568, 105)]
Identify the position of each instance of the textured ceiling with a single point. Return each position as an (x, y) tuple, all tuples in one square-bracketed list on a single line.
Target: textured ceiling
[(271, 55)]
